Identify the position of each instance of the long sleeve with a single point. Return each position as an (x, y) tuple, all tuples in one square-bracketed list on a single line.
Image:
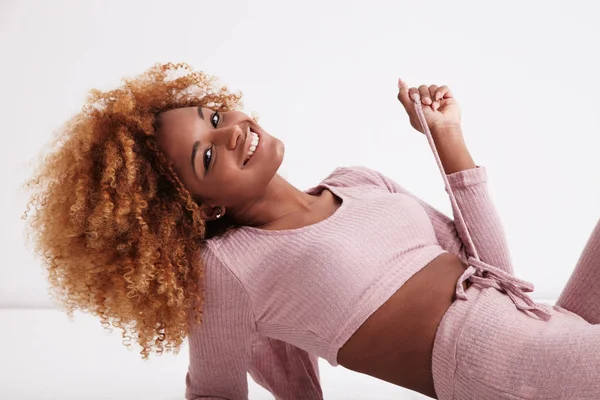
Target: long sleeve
[(286, 371), (221, 346), (480, 215)]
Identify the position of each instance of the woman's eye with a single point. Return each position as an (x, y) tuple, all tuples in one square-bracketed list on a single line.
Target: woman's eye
[(207, 158), (214, 119)]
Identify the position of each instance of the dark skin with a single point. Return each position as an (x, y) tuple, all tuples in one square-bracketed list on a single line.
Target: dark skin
[(252, 194)]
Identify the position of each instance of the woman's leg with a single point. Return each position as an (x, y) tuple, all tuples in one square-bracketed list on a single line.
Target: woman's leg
[(581, 294)]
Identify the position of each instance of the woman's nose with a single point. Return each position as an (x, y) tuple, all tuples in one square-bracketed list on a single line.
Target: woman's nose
[(231, 136)]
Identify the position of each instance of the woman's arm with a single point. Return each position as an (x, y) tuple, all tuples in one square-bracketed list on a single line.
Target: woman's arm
[(226, 346), (466, 181), (221, 346)]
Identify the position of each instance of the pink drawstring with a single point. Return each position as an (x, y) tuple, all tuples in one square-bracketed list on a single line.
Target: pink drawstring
[(514, 287), (497, 278)]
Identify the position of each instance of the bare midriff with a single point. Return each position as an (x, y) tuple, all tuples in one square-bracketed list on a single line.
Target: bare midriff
[(395, 343)]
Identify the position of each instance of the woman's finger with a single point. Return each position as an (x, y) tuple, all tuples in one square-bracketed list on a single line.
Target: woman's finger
[(432, 92), (425, 96), (403, 93), (412, 92), (443, 92)]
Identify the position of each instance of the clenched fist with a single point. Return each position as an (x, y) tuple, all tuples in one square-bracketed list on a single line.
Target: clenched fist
[(439, 106)]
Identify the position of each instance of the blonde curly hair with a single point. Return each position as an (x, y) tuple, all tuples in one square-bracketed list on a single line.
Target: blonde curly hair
[(119, 234)]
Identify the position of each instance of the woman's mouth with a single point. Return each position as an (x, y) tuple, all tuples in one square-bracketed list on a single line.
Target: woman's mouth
[(253, 146)]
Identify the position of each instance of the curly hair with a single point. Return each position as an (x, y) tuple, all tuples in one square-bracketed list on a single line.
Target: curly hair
[(117, 231)]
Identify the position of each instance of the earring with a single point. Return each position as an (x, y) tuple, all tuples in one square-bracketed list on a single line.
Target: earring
[(218, 214)]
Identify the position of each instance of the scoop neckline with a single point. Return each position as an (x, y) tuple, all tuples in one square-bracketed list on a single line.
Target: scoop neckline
[(316, 225)]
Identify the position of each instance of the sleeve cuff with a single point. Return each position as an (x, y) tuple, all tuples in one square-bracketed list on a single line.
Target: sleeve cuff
[(468, 177)]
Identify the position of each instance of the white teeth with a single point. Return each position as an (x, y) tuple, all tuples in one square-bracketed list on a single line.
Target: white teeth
[(253, 145)]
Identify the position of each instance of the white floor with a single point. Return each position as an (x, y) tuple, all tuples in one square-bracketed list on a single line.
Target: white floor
[(46, 356)]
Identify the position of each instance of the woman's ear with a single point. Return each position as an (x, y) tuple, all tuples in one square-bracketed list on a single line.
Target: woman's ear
[(212, 213)]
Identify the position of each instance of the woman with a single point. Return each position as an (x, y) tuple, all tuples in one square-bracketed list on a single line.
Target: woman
[(162, 213)]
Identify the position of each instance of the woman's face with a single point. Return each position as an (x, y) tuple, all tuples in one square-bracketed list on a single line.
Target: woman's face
[(209, 150)]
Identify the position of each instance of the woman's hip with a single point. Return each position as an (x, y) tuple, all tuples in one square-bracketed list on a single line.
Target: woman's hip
[(485, 347)]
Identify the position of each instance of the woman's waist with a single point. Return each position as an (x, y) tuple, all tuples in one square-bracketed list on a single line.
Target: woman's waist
[(395, 343)]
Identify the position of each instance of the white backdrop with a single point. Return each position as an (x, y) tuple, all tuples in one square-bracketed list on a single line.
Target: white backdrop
[(322, 76)]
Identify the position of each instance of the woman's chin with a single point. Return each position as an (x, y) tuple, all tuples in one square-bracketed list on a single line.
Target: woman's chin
[(278, 151)]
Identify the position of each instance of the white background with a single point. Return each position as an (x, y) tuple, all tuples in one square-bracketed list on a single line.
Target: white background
[(322, 76)]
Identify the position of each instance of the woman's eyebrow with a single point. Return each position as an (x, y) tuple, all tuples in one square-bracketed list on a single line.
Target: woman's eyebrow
[(200, 112)]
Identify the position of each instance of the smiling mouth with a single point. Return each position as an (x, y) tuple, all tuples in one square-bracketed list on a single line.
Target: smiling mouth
[(254, 140)]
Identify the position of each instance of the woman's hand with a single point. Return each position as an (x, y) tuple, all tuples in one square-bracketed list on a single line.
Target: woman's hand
[(439, 107)]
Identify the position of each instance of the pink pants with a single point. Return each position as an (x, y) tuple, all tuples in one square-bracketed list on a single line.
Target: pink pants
[(486, 348)]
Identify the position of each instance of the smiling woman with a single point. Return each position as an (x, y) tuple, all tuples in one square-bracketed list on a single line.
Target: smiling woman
[(150, 217), (232, 159)]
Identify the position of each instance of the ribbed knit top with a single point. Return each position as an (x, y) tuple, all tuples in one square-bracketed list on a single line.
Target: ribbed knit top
[(278, 299)]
